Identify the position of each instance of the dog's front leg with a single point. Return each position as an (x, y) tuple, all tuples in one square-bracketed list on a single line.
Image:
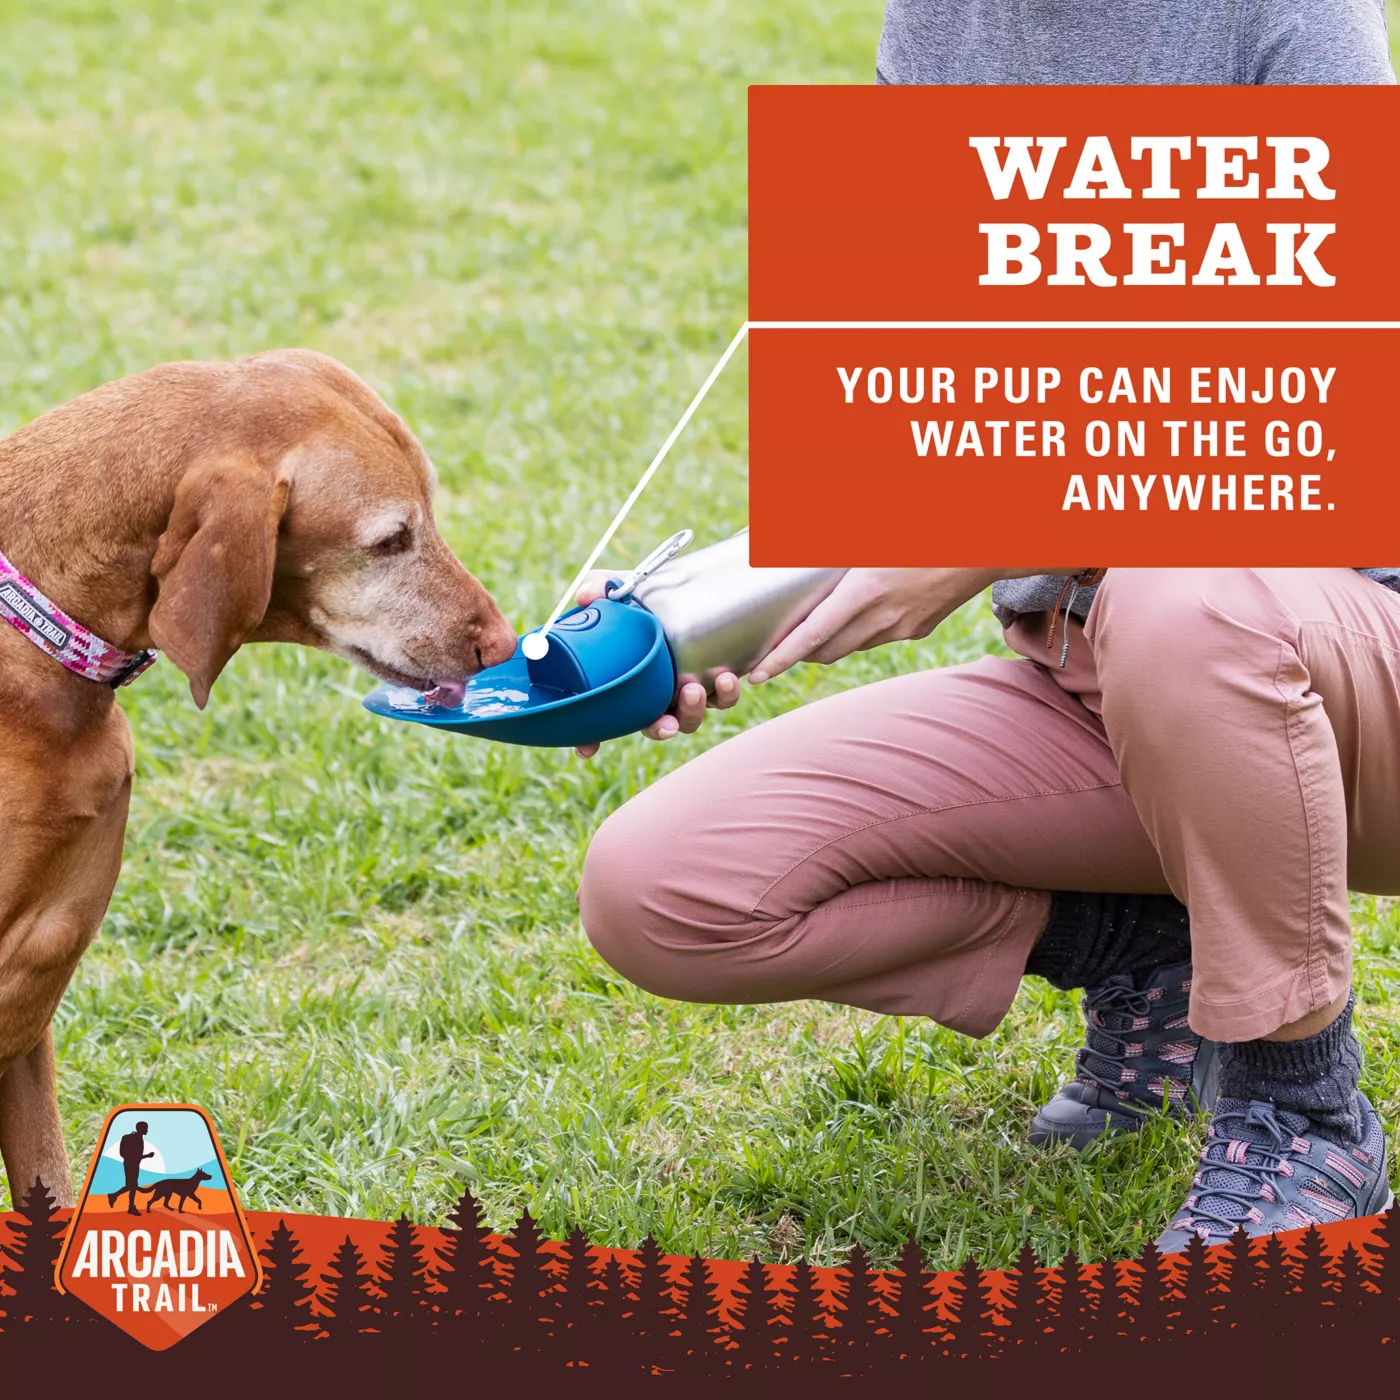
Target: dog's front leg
[(31, 1134), (63, 811)]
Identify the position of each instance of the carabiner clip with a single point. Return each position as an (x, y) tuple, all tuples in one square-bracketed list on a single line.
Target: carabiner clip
[(668, 549)]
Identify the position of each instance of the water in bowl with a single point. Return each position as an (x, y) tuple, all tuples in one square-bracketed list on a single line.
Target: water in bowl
[(488, 701)]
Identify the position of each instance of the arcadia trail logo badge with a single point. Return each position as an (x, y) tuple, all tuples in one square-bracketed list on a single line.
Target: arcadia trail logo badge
[(158, 1243)]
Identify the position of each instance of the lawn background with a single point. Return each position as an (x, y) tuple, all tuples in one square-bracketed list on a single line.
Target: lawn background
[(354, 942)]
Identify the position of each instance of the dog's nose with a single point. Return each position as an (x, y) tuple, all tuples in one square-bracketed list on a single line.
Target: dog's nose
[(495, 644)]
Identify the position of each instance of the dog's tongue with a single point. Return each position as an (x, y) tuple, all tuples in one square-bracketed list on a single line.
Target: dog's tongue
[(447, 694)]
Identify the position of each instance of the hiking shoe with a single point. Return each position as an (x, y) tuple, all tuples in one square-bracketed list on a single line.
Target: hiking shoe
[(1264, 1168), (1139, 1056)]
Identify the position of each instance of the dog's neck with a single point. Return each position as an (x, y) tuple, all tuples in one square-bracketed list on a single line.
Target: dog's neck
[(85, 493), (111, 600), (100, 578), (39, 696)]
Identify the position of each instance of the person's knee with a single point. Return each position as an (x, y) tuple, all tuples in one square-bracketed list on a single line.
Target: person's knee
[(636, 917), (612, 891)]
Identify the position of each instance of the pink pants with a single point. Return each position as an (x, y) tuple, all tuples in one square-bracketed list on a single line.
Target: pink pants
[(1232, 736)]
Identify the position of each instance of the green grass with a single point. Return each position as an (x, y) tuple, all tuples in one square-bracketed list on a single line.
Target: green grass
[(354, 942)]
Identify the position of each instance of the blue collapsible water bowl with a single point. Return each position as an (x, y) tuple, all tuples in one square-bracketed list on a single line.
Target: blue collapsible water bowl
[(608, 672)]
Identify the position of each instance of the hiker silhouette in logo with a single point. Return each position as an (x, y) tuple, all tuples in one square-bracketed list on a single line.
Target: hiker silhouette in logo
[(185, 1187), (132, 1153)]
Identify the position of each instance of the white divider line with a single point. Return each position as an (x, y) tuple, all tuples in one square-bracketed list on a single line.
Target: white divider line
[(1072, 325), (642, 484)]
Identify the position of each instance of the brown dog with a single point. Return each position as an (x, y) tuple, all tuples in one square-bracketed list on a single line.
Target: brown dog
[(191, 508)]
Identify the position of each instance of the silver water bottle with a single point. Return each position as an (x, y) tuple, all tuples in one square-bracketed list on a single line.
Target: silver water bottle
[(720, 613)]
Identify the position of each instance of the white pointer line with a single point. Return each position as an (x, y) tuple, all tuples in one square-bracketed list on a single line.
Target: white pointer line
[(642, 484), (541, 644)]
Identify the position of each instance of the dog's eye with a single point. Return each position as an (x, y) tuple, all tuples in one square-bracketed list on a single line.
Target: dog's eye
[(399, 542)]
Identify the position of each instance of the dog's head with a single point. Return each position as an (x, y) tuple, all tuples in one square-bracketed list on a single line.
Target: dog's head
[(202, 1175), (305, 515)]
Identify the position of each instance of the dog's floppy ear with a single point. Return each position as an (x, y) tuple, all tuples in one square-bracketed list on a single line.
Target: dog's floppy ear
[(213, 564)]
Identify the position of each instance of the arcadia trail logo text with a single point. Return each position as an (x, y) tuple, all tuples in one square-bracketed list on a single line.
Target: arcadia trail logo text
[(158, 1243)]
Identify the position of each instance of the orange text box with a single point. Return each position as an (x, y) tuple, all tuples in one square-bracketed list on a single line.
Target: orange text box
[(1009, 210), (1088, 448)]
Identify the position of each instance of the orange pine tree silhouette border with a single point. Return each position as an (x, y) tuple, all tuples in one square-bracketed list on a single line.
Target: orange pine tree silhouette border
[(525, 1301)]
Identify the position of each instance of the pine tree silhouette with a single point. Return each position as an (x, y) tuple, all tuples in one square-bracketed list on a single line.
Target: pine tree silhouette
[(653, 1317), (963, 1300), (1154, 1295), (427, 1267), (1352, 1293), (1072, 1305), (285, 1296), (602, 1333), (1193, 1285), (1100, 1301), (576, 1302), (349, 1293), (533, 1311), (829, 1310), (808, 1314), (401, 1307), (614, 1307), (36, 1240), (1130, 1274), (1386, 1270), (946, 1290), (463, 1270), (858, 1321), (1274, 1283), (467, 1215), (995, 1300), (1047, 1308), (690, 1340), (1241, 1272), (909, 1335), (1117, 1301), (751, 1292), (1313, 1291), (1237, 1276), (1221, 1264), (1370, 1265), (1022, 1288)]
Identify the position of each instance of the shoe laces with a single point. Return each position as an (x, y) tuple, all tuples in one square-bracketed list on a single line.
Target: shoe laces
[(1242, 1170), (1112, 1044)]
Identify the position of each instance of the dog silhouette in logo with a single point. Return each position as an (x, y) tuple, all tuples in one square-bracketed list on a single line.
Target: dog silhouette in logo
[(185, 1187)]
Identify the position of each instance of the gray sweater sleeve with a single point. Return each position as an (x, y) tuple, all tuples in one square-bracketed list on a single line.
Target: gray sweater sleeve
[(1317, 41)]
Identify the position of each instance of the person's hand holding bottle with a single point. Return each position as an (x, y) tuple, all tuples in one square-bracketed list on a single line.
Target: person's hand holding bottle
[(868, 608)]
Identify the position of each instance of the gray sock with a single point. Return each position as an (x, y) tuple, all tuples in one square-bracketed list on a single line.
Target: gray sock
[(1316, 1077), (1092, 937)]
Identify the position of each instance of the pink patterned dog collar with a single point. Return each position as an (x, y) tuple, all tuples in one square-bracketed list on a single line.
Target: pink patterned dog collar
[(68, 642)]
